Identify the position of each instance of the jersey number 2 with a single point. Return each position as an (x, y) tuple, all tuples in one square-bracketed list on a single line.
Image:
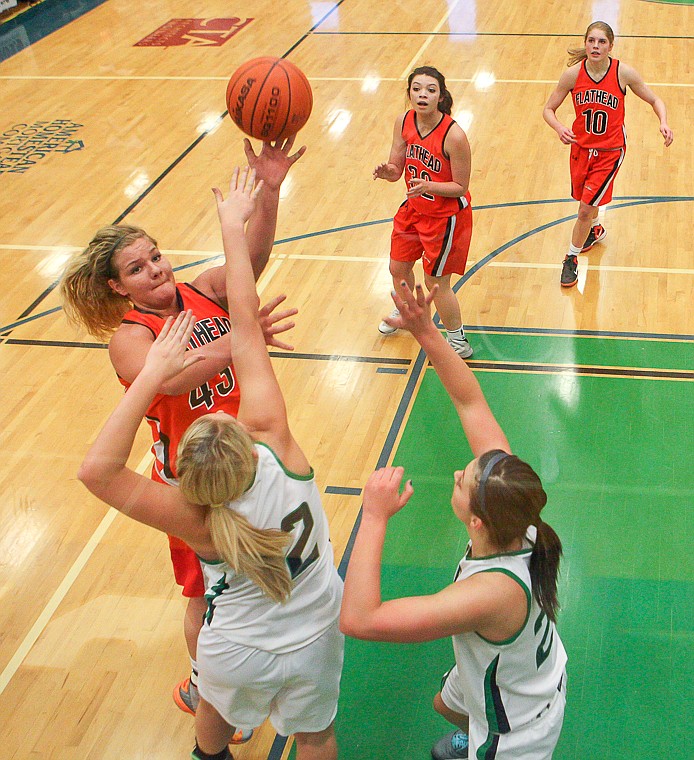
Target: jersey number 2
[(422, 175), (295, 560)]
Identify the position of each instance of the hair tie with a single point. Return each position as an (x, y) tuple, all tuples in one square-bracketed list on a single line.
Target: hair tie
[(484, 477), (217, 506)]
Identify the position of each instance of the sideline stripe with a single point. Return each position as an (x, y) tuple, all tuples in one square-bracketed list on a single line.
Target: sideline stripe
[(61, 592), (86, 78), (619, 203), (577, 369)]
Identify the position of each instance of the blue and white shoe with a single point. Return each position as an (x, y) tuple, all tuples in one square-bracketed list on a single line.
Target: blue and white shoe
[(452, 746)]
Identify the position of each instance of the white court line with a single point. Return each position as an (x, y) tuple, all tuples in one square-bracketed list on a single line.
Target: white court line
[(61, 592), (115, 78), (94, 540), (277, 259), (428, 40)]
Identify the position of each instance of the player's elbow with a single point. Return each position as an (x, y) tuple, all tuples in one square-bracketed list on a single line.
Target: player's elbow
[(361, 625), (351, 623), (89, 474)]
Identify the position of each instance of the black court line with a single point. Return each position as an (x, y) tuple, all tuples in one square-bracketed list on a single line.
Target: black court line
[(343, 490), (574, 369), (637, 200), (180, 158)]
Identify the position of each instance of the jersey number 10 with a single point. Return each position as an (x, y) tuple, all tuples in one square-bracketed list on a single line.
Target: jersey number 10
[(596, 121)]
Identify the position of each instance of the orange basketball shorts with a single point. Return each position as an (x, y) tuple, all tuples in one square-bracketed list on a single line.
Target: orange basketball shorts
[(593, 173), (186, 565), (442, 242)]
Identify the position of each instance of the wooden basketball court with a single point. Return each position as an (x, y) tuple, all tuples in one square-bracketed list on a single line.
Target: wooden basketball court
[(96, 129)]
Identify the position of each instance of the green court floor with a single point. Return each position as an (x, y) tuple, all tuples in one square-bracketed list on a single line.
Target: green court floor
[(616, 457)]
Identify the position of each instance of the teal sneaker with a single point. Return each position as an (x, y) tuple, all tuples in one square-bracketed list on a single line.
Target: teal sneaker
[(452, 746)]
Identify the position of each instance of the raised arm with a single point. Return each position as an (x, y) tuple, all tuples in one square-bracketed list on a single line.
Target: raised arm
[(262, 407), (470, 605), (392, 169), (481, 428), (564, 86), (104, 470), (630, 77)]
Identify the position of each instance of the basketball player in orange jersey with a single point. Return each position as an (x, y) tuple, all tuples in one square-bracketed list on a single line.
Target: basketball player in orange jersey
[(122, 287), (598, 85), (434, 222)]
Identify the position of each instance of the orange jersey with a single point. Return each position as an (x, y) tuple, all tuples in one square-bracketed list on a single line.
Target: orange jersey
[(426, 159), (599, 106), (170, 416)]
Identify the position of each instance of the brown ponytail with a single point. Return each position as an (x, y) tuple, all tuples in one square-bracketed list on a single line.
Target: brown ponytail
[(508, 499)]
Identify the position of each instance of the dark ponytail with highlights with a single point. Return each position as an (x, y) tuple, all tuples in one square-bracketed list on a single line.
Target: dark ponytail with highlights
[(446, 102), (508, 499), (544, 569)]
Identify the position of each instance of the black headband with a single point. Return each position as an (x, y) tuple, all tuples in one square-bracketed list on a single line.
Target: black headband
[(484, 477)]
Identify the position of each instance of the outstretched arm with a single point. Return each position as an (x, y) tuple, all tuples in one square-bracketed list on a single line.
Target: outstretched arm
[(634, 80), (271, 166), (469, 605), (104, 470), (262, 407), (481, 428)]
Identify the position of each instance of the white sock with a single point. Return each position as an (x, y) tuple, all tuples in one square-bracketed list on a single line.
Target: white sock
[(194, 672), (459, 333), (573, 251)]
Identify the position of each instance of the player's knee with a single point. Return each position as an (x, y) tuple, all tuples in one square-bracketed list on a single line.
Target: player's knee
[(315, 738), (585, 212)]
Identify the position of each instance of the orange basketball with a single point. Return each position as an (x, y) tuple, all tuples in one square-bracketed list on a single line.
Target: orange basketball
[(269, 98)]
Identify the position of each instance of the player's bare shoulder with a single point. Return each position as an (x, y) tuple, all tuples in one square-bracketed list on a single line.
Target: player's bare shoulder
[(456, 140), (569, 77)]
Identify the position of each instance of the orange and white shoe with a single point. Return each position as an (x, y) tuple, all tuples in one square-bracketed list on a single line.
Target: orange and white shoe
[(596, 234), (187, 698)]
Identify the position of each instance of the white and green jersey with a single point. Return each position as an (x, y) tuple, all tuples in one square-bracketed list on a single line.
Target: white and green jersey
[(237, 608), (507, 684)]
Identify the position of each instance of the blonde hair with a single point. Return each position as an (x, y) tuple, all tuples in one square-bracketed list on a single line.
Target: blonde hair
[(215, 466), (578, 54), (87, 297)]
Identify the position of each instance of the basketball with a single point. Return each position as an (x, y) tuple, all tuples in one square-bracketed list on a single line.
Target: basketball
[(269, 98)]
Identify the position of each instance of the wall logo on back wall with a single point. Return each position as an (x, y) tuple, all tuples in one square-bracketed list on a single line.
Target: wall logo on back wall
[(197, 32), (24, 145)]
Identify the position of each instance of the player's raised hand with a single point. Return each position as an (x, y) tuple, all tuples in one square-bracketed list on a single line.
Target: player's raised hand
[(274, 160), (168, 354), (239, 204), (414, 308), (273, 323), (382, 495)]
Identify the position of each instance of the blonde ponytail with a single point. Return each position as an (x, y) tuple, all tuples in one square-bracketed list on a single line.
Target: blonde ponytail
[(254, 552), (216, 464)]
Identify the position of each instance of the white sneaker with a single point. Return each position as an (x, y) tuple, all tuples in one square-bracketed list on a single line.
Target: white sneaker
[(384, 328), (461, 347)]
